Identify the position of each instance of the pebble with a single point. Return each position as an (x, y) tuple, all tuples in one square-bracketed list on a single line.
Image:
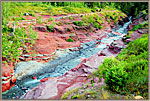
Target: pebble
[(43, 80)]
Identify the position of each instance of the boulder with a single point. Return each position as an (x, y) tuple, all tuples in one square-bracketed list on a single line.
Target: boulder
[(25, 69), (60, 29), (41, 28), (116, 46)]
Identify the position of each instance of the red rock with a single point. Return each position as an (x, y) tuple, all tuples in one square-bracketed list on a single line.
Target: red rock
[(60, 29), (12, 85), (13, 79), (45, 45), (34, 77), (96, 46), (5, 86), (81, 79), (62, 87), (43, 80), (6, 70)]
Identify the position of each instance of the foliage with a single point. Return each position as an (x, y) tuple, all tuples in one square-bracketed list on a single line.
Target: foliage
[(139, 26), (70, 17), (128, 72), (95, 92), (113, 15), (78, 23), (130, 32), (101, 27), (116, 78), (71, 34), (109, 21), (32, 34), (39, 20), (94, 19), (51, 27), (11, 44), (51, 18), (137, 47), (60, 23), (70, 40), (65, 96)]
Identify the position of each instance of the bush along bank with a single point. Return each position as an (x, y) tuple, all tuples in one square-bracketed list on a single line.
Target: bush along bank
[(128, 72), (125, 76)]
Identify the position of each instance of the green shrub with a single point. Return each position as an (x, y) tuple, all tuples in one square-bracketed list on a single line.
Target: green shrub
[(128, 72), (116, 78), (51, 18), (91, 19), (60, 23), (107, 64), (96, 25), (51, 27), (109, 21), (70, 40), (101, 27), (32, 34), (136, 27), (78, 23), (68, 9), (70, 17), (39, 20), (139, 26), (11, 44), (138, 46)]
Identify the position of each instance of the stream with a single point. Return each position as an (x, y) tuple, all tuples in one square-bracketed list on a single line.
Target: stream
[(61, 65)]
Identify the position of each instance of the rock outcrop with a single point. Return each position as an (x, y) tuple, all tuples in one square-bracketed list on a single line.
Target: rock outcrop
[(8, 78)]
